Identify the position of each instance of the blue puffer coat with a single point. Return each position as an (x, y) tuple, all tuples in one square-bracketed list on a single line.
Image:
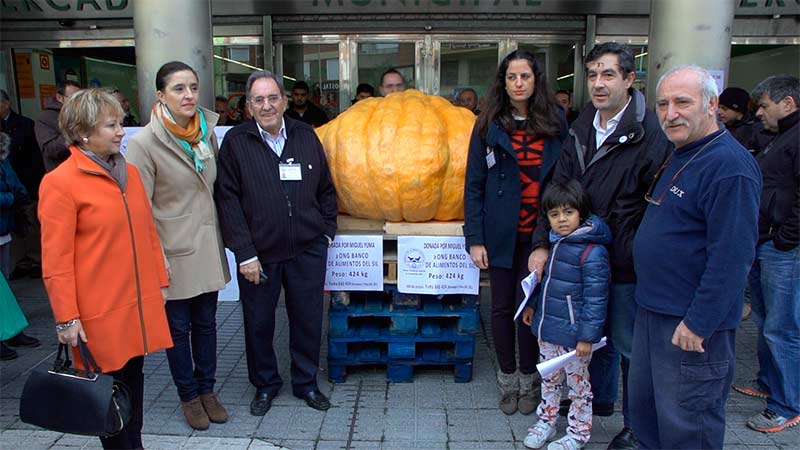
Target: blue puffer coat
[(571, 301)]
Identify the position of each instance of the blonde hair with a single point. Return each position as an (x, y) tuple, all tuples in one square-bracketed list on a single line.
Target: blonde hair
[(84, 110)]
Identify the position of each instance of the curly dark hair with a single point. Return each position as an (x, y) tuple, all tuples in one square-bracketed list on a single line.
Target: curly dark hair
[(543, 115)]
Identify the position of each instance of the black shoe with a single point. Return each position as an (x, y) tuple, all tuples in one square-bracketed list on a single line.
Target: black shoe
[(315, 399), (598, 409), (261, 403), (624, 440), (7, 353), (24, 341), (36, 272), (18, 273)]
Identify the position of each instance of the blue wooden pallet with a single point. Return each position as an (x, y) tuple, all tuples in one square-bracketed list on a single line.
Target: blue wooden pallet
[(393, 299), (414, 349), (401, 372), (429, 322)]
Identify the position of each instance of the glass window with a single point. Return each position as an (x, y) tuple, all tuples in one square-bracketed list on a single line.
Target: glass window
[(318, 66), (467, 65), (374, 58), (558, 62), (232, 66)]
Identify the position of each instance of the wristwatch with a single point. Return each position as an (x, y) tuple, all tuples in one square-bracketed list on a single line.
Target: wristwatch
[(65, 325)]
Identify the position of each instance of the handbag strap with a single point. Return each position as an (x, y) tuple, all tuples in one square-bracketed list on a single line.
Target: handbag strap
[(88, 359), (62, 363)]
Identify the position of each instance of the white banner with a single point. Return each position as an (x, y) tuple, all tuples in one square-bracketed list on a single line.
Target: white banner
[(355, 263), (435, 265)]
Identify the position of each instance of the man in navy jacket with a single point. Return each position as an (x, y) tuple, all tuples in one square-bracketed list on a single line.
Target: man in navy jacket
[(692, 254), (277, 210)]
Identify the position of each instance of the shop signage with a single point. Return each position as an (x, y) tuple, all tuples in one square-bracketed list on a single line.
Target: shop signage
[(435, 265), (355, 263), (66, 9)]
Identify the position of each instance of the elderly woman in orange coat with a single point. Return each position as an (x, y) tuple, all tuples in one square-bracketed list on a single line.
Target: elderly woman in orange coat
[(101, 258)]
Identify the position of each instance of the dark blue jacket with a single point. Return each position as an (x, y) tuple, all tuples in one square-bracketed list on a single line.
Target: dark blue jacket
[(12, 193), (571, 301), (694, 251), (492, 196)]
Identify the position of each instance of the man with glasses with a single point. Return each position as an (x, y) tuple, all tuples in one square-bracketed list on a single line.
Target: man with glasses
[(692, 254), (392, 81), (277, 210), (614, 148), (775, 278)]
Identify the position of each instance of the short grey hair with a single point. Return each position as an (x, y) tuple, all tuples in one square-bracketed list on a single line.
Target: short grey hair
[(708, 86), (5, 142), (260, 74), (778, 87)]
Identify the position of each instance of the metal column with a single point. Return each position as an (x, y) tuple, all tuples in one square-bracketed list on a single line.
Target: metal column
[(688, 32), (177, 30)]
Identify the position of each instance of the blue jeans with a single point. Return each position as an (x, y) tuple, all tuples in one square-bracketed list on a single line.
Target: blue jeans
[(775, 299), (193, 358), (605, 366), (678, 398)]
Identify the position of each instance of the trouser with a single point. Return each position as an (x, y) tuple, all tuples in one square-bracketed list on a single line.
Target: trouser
[(5, 259), (302, 279), (576, 374), (131, 436), (775, 299), (677, 398), (28, 248), (605, 366), (506, 296), (193, 357)]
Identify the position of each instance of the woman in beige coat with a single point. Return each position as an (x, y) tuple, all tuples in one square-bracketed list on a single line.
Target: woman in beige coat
[(176, 156)]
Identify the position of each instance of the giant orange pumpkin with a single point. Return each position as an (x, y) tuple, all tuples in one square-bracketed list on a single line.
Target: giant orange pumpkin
[(400, 158)]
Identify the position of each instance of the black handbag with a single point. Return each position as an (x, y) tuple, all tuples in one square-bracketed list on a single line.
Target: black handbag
[(62, 398)]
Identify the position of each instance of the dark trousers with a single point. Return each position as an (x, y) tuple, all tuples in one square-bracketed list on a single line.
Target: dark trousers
[(302, 279), (131, 436), (193, 357), (677, 398), (506, 297)]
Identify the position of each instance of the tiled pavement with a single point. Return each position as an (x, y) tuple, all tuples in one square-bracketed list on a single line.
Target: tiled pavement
[(368, 413)]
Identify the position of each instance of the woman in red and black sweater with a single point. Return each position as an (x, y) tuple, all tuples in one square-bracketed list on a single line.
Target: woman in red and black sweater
[(514, 147)]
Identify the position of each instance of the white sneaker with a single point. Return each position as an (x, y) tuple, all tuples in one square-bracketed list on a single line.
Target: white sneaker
[(539, 435), (566, 443)]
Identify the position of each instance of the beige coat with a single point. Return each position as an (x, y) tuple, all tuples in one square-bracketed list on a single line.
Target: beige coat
[(183, 208)]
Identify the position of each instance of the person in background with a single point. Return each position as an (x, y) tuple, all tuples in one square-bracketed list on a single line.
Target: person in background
[(564, 98), (692, 253), (301, 108), (176, 157), (734, 112), (514, 146), (391, 81), (129, 120), (54, 150), (277, 208), (364, 90), (578, 271), (26, 160), (101, 258), (775, 277), (221, 108), (12, 195), (468, 98)]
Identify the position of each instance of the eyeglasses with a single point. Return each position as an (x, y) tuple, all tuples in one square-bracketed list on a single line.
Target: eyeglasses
[(273, 100), (648, 196)]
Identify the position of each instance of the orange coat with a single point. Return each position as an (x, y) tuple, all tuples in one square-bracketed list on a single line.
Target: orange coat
[(102, 260)]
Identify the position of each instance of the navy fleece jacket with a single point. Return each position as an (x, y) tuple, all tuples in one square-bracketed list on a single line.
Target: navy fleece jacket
[(692, 253)]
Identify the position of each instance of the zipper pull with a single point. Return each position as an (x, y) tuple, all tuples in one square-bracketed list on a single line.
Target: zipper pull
[(290, 205)]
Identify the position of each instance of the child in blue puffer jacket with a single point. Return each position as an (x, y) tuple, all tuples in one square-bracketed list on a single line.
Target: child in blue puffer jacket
[(568, 311)]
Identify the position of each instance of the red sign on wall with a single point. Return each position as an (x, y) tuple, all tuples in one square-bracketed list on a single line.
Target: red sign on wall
[(44, 62)]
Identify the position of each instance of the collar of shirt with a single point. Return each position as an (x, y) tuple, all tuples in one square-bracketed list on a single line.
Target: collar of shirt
[(611, 125), (275, 142)]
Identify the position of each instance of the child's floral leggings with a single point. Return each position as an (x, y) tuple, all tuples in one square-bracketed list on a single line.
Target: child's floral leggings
[(576, 373)]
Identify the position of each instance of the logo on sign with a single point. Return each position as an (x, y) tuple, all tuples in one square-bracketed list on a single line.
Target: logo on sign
[(415, 259), (44, 62)]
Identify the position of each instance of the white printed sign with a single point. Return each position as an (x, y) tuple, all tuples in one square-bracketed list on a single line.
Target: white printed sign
[(435, 265), (355, 263)]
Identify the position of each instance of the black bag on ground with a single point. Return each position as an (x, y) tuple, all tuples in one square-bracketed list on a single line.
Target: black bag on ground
[(87, 402)]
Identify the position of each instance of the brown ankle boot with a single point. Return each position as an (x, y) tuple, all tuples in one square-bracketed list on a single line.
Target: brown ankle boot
[(216, 412), (195, 415)]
